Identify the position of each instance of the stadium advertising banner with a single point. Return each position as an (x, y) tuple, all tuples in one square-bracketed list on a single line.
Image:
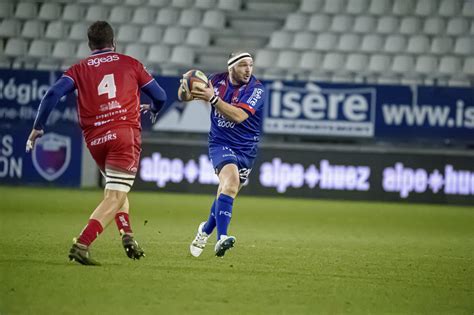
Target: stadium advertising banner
[(380, 111), (317, 174), (57, 157)]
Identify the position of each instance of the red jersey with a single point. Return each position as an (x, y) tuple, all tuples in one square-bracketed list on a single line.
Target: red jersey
[(108, 91)]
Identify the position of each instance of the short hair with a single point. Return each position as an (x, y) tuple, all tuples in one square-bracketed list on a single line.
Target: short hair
[(100, 35)]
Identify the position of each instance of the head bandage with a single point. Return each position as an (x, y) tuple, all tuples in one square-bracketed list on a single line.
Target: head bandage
[(234, 60)]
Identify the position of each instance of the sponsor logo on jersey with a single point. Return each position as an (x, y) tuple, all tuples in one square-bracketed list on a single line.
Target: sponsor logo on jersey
[(109, 106), (96, 62), (52, 155), (101, 140)]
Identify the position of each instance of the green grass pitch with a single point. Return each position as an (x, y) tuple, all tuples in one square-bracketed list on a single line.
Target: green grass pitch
[(292, 256)]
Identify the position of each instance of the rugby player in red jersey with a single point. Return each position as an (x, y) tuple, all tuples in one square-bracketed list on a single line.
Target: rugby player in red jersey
[(108, 88)]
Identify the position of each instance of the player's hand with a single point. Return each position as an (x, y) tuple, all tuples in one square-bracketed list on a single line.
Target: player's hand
[(204, 94), (34, 134), (183, 94), (144, 108)]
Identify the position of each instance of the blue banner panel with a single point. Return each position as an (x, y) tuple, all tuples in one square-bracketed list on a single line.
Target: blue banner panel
[(56, 159), (405, 113)]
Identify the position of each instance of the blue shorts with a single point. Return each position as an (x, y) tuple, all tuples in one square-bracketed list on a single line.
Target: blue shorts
[(222, 155)]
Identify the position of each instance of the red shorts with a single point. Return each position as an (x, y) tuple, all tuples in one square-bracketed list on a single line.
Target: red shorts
[(116, 149)]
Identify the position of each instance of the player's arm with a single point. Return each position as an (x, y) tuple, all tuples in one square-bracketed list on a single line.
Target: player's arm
[(230, 112), (157, 95), (63, 86)]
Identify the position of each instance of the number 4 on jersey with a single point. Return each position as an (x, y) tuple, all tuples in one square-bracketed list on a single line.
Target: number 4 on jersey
[(107, 85)]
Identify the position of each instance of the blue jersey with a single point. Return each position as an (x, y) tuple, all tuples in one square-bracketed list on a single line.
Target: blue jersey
[(243, 137)]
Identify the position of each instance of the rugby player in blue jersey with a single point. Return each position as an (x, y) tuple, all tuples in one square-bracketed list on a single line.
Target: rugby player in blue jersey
[(237, 98)]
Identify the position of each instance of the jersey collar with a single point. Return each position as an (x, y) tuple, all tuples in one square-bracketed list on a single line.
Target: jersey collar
[(102, 51)]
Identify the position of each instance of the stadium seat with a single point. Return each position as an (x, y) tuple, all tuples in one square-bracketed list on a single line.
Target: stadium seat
[(371, 43), (459, 80), (151, 34), (73, 13), (137, 51), (97, 13), (159, 54), (287, 59), (418, 44), (326, 42), (47, 64), (468, 67), (449, 8), (143, 15), (357, 6), (49, 11), (134, 3), (32, 29), (174, 35), (167, 16), (449, 65), (26, 10), (214, 19), (112, 3), (334, 6), (198, 37), (182, 55), (357, 63), (403, 7), (342, 23), (190, 18), (441, 45), (403, 65), (16, 47), (379, 63), (6, 9), (58, 30), (303, 41), (120, 14), (434, 26), (128, 33), (83, 50), (468, 9), (348, 42), (229, 5), (78, 31), (311, 6), (281, 39), (310, 61), (426, 7), (333, 62), (426, 65), (364, 24), (464, 45), (64, 50), (158, 3), (205, 4), (410, 25), (319, 22), (296, 22), (40, 48), (182, 4), (265, 58), (395, 44), (380, 7), (457, 26), (387, 25), (10, 28)]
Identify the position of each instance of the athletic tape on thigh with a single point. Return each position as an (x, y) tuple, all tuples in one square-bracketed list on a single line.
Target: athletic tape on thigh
[(115, 180)]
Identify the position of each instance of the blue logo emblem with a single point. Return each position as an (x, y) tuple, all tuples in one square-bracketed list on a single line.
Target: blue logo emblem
[(52, 155)]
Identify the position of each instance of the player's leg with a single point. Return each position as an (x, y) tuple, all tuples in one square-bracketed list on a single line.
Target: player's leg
[(103, 214), (132, 249), (229, 184)]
